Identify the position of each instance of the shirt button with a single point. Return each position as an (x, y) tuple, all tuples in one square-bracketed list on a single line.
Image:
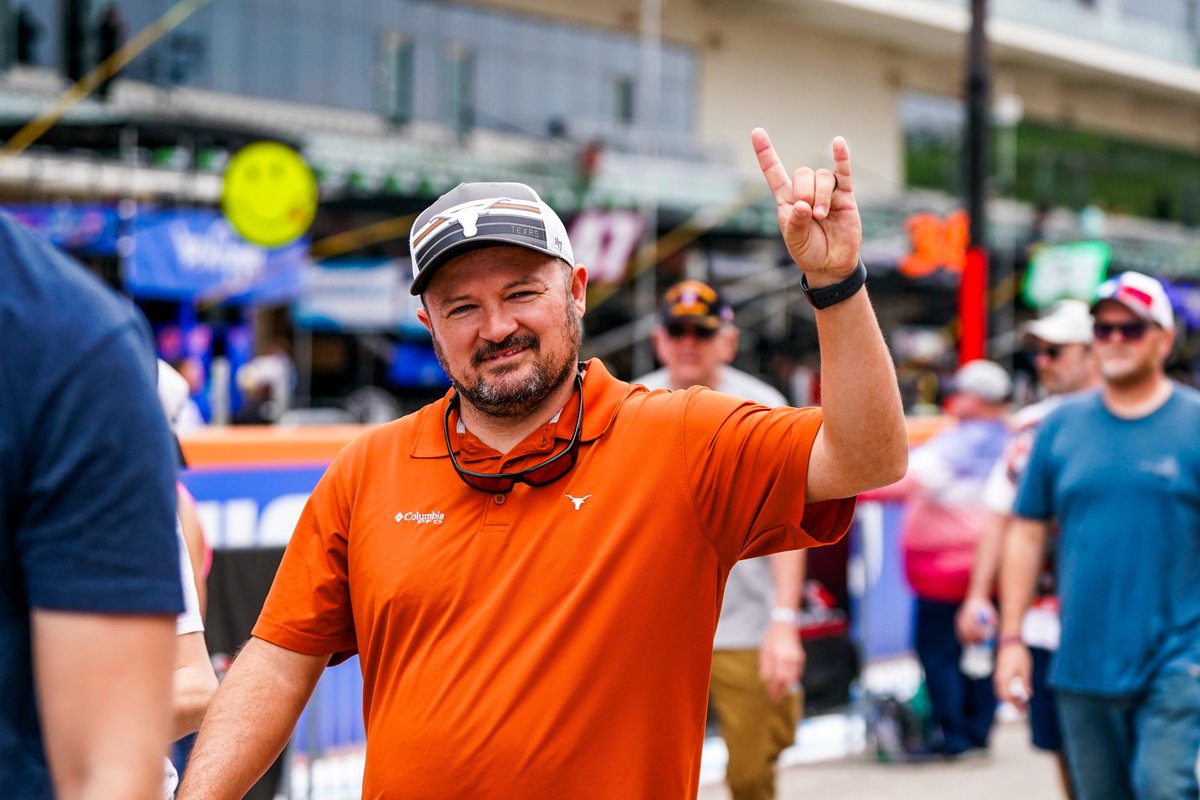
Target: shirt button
[(499, 498)]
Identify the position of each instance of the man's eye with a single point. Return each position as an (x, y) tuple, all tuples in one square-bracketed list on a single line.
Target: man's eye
[(458, 311)]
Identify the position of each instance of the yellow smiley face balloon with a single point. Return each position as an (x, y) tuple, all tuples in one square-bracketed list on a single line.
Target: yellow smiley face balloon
[(269, 194)]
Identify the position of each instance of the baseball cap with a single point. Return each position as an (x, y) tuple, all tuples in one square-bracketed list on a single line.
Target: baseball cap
[(696, 302), (474, 215), (1141, 294), (1067, 322), (984, 379)]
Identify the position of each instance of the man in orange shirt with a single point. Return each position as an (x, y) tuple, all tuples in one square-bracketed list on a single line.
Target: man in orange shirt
[(530, 569)]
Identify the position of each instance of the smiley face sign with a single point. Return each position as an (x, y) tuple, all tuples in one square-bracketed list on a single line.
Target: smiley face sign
[(269, 194)]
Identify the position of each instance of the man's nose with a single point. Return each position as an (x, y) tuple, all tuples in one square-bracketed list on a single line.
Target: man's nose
[(497, 325)]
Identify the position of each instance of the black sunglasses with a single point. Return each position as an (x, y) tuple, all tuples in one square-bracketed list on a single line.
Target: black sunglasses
[(1130, 331), (541, 474), (1050, 351), (678, 331)]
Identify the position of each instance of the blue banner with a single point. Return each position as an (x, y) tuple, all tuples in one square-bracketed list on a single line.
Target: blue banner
[(89, 229), (195, 254)]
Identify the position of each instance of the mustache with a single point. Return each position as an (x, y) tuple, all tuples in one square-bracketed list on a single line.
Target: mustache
[(522, 340)]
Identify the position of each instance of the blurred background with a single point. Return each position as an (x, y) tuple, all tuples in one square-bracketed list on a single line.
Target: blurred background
[(1062, 147)]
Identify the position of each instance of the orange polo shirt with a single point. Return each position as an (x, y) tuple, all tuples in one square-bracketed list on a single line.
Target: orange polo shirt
[(535, 645)]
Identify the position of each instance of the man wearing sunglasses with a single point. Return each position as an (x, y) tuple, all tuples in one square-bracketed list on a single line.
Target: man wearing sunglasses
[(757, 655), (1120, 472), (530, 568), (1061, 347)]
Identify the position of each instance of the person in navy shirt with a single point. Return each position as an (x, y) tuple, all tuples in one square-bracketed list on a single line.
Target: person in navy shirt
[(89, 565), (1120, 471)]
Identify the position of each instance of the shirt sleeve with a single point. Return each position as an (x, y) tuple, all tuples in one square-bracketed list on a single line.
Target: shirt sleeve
[(96, 531), (748, 468), (308, 608), (1035, 490)]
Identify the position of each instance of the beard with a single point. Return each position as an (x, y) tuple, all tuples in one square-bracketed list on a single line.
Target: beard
[(504, 399)]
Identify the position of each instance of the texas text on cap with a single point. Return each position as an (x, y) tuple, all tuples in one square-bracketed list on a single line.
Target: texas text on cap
[(1141, 294), (474, 215), (1068, 322), (696, 302)]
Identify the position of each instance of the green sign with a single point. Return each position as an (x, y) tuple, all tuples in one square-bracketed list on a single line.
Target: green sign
[(1074, 270)]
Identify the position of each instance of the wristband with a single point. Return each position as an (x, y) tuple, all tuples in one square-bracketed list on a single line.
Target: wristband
[(789, 616), (1012, 638), (828, 296)]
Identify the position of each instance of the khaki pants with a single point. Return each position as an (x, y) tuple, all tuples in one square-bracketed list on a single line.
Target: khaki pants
[(756, 730)]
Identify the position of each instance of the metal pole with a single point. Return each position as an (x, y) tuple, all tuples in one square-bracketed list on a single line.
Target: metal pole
[(973, 291), (645, 285)]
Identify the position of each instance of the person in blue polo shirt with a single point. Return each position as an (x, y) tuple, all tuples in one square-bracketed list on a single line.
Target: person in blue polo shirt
[(1120, 471), (89, 566)]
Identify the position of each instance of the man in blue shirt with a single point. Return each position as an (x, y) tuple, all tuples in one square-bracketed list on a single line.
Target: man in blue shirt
[(89, 566), (1120, 471)]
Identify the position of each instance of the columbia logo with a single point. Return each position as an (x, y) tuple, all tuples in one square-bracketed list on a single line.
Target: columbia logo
[(421, 517)]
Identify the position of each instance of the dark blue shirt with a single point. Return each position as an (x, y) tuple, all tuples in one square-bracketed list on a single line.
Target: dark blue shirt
[(1126, 493), (86, 473)]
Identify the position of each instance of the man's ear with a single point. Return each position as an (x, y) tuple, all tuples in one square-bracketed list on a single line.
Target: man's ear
[(578, 278), (660, 344), (423, 316)]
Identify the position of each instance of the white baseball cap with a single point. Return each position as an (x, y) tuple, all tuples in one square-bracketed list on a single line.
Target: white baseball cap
[(1141, 294), (474, 215), (1067, 322), (984, 379)]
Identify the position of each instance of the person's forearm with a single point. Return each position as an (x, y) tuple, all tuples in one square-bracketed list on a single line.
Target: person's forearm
[(864, 428), (250, 720), (1023, 547), (987, 557), (787, 578), (103, 691)]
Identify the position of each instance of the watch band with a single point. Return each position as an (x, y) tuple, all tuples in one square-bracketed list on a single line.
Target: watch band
[(789, 616), (828, 296)]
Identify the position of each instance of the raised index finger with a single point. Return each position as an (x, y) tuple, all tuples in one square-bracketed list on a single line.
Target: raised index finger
[(777, 177), (841, 164)]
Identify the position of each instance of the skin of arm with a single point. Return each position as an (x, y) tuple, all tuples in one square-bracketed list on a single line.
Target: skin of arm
[(193, 534), (1023, 548), (978, 603), (104, 696), (250, 719), (193, 685), (781, 655), (863, 441)]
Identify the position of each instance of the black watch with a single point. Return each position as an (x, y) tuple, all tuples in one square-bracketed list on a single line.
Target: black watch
[(828, 296)]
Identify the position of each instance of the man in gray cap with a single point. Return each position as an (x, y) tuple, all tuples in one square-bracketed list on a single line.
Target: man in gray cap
[(530, 568)]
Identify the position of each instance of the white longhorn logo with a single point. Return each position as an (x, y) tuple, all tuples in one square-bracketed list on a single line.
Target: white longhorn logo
[(577, 501)]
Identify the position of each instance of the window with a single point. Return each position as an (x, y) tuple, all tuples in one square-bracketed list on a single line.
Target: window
[(397, 78)]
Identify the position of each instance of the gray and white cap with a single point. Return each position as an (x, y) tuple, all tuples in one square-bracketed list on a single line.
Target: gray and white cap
[(474, 215)]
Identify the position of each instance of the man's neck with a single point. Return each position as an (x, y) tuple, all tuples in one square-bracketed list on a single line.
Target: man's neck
[(504, 433), (1137, 400)]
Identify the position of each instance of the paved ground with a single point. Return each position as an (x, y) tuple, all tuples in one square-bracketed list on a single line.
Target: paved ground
[(1012, 770)]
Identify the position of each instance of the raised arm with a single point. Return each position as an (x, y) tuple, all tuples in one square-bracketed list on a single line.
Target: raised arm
[(863, 443), (104, 696), (250, 720)]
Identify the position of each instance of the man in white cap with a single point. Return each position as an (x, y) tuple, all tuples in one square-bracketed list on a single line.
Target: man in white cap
[(1061, 343), (530, 568), (944, 519), (1120, 472)]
